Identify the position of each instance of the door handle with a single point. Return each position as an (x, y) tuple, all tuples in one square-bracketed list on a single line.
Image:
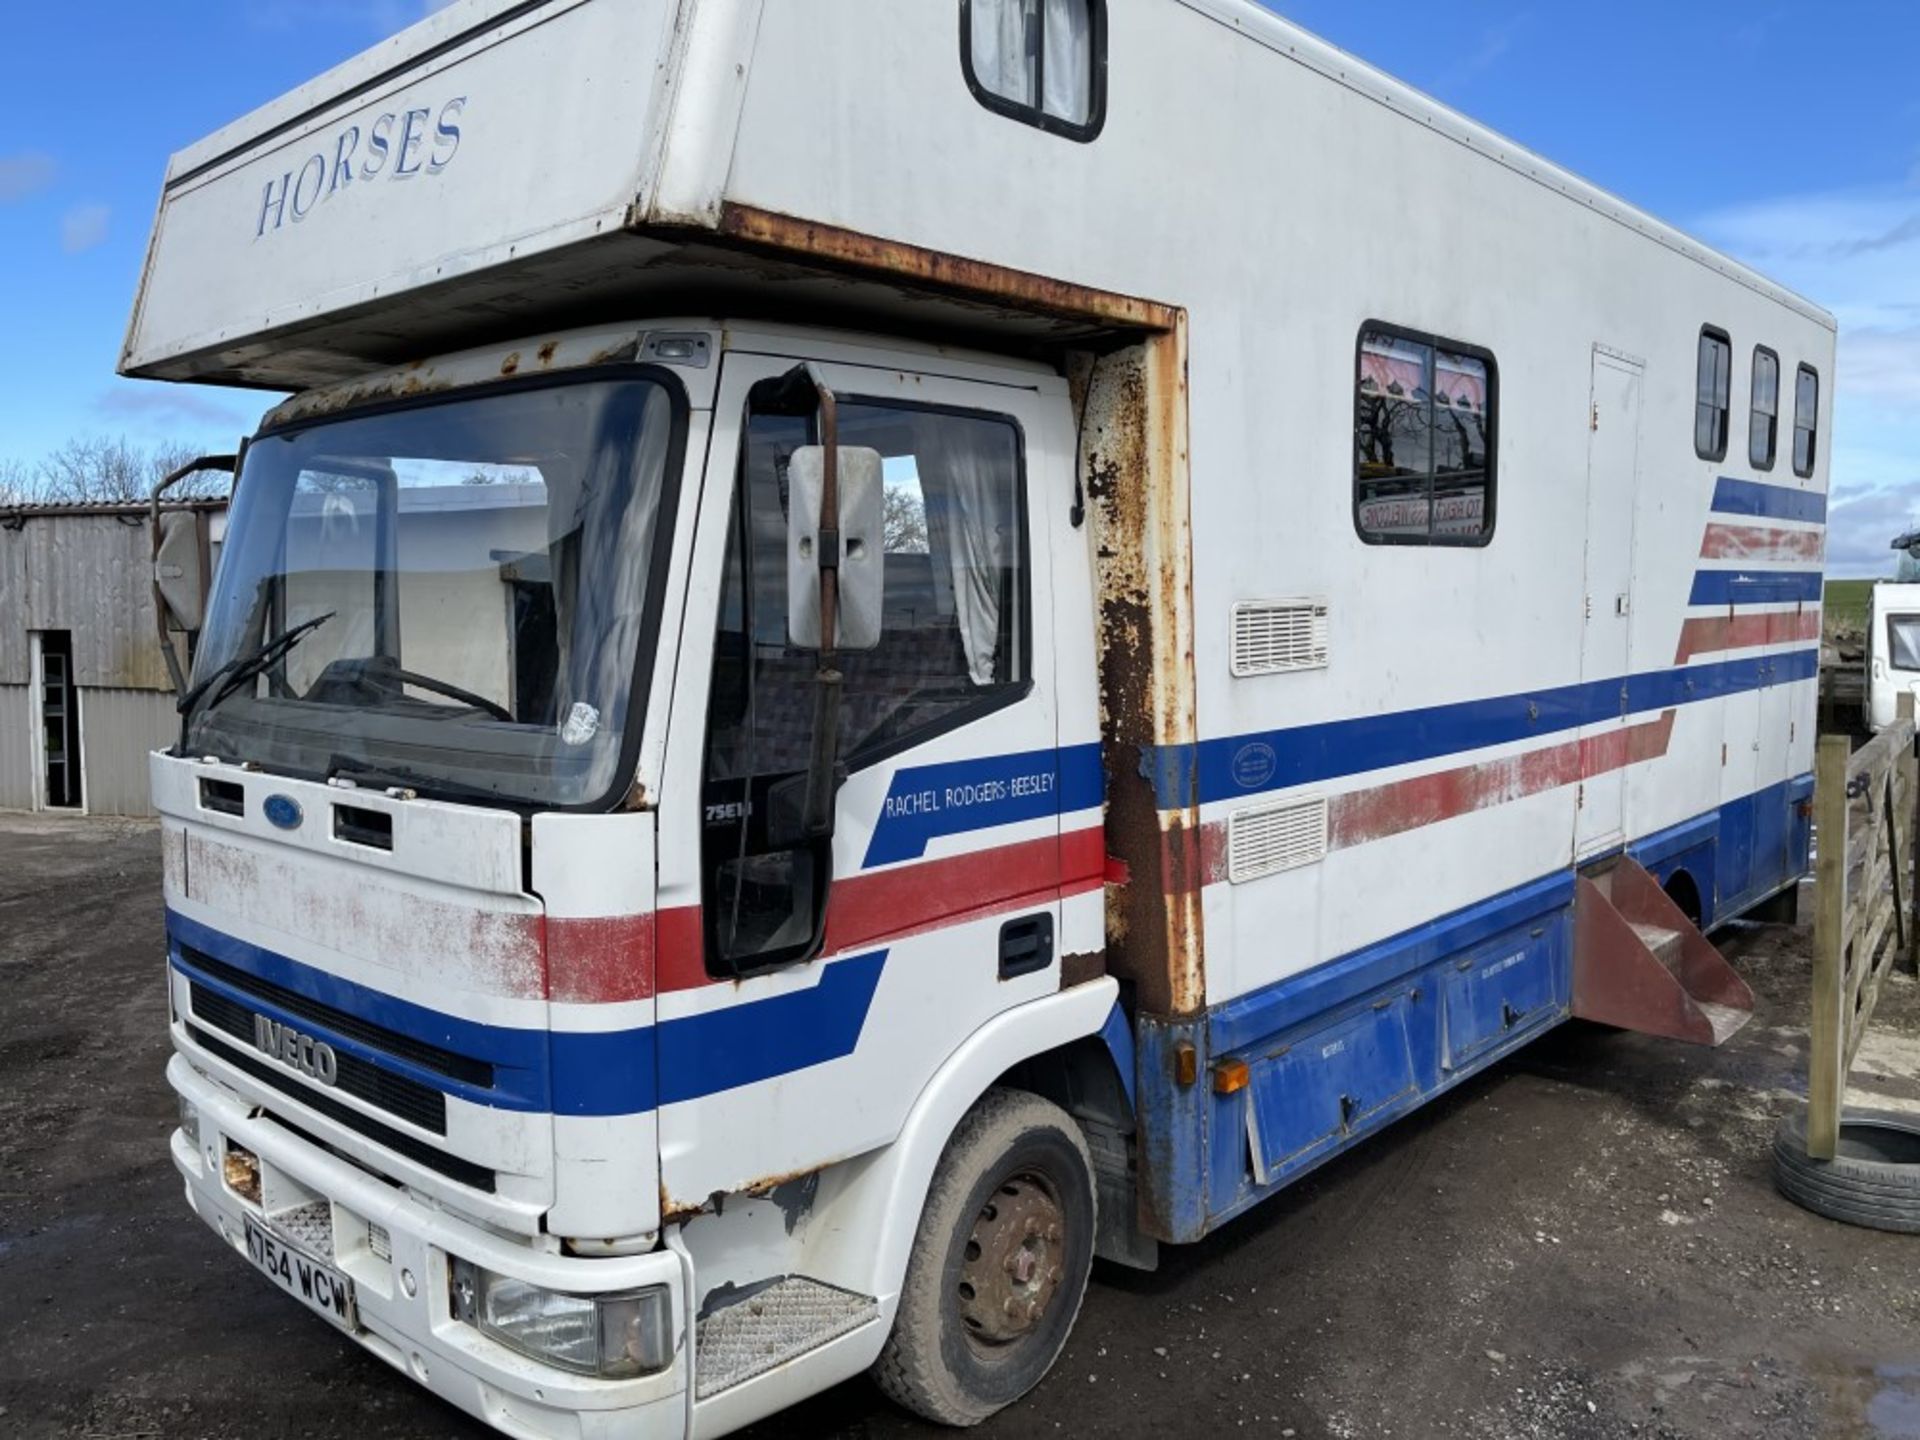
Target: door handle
[(1026, 946)]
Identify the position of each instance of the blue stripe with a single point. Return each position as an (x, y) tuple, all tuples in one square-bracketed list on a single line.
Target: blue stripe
[(926, 801), (744, 1044), (1754, 587), (1220, 769), (565, 1072), (1769, 502), (519, 1057)]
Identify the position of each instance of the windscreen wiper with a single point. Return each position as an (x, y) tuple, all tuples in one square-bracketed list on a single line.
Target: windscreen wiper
[(236, 672), (366, 778)]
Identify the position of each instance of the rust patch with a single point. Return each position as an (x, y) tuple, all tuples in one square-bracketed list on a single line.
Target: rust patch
[(1134, 472), (850, 249), (1081, 968), (674, 1212), (547, 351), (510, 365)]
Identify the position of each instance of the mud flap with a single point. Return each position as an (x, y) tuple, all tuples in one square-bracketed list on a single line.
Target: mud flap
[(1640, 964)]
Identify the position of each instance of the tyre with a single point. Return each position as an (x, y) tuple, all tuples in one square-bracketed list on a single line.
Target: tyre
[(999, 1265), (1873, 1179)]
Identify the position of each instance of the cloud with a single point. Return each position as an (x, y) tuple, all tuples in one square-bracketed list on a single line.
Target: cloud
[(1860, 529), (25, 173), (83, 227), (1488, 51), (170, 405), (1907, 229)]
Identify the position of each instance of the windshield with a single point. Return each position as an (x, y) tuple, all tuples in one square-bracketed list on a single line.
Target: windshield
[(452, 597)]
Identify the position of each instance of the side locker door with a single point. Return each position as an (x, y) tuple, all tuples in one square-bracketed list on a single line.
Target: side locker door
[(801, 1015), (1613, 478)]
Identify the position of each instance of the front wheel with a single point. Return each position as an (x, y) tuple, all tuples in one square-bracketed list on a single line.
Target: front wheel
[(999, 1265)]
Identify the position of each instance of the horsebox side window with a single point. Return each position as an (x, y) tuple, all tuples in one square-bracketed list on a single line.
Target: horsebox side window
[(1713, 392), (1763, 420), (1042, 62), (1424, 425), (1806, 419)]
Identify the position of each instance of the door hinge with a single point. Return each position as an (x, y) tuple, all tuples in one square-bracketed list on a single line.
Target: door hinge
[(1588, 608), (1580, 796), (1593, 418)]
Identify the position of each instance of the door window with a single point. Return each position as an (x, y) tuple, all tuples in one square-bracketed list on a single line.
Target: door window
[(954, 646)]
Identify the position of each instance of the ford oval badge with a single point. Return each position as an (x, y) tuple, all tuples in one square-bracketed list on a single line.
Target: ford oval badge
[(282, 811)]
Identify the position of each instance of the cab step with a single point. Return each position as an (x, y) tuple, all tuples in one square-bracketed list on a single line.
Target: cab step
[(1640, 964), (770, 1326)]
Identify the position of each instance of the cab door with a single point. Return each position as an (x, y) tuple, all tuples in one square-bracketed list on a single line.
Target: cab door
[(808, 992)]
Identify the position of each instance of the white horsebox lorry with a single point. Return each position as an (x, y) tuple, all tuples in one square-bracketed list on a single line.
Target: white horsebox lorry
[(885, 647)]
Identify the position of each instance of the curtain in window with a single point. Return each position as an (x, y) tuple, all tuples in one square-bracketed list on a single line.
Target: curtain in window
[(1069, 51), (967, 475), (1003, 56)]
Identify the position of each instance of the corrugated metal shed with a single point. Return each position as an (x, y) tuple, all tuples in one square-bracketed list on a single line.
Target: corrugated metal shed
[(86, 569), (16, 748), (117, 730)]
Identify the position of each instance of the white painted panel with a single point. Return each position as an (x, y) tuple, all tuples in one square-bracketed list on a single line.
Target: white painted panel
[(516, 139)]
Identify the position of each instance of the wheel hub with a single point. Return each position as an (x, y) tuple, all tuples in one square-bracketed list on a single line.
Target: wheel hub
[(1013, 1261)]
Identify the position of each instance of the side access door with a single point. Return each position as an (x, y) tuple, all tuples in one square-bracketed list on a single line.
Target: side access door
[(808, 991), (1613, 481)]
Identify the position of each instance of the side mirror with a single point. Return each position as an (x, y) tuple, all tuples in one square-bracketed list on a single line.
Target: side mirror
[(179, 568), (179, 579), (862, 546)]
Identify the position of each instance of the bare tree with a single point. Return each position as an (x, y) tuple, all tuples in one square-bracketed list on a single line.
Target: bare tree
[(16, 483), (99, 469), (904, 521)]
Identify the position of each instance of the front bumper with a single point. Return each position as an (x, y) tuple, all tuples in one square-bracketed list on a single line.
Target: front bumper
[(404, 1313)]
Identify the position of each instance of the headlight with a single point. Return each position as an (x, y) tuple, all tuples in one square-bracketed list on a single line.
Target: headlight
[(190, 1120), (615, 1337)]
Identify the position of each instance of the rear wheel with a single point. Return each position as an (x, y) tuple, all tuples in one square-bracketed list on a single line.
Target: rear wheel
[(999, 1266)]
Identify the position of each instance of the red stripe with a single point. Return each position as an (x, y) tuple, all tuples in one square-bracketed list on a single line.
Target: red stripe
[(913, 899), (1706, 634), (599, 961), (1760, 542), (1360, 816)]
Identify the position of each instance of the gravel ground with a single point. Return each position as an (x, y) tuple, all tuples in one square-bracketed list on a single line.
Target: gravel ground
[(1581, 1243)]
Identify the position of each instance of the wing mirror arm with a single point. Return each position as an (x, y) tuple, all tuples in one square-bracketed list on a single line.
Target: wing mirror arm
[(824, 761)]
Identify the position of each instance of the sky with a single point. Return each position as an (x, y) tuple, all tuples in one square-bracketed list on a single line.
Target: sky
[(1785, 134)]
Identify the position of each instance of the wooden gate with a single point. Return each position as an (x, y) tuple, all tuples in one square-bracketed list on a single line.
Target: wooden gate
[(1865, 913)]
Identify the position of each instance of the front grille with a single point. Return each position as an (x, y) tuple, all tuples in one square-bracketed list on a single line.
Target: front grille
[(464, 1171), (376, 1037), (409, 1099)]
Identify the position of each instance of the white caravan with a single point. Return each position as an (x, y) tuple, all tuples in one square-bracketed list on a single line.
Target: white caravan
[(1893, 650), (888, 646)]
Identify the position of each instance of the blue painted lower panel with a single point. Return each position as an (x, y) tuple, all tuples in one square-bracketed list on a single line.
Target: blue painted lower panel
[(1338, 1052)]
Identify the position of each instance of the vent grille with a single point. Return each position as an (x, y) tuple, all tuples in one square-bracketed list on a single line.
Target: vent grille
[(454, 1168), (1266, 839), (397, 1095), (1272, 636)]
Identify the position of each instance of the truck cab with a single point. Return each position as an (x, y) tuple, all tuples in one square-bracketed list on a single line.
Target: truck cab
[(501, 945)]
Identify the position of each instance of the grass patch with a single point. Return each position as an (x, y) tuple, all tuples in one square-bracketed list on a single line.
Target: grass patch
[(1845, 605)]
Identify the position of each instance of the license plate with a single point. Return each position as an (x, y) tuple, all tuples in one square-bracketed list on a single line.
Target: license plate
[(317, 1286)]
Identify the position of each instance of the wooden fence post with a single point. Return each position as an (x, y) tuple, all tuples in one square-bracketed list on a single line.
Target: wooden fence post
[(1827, 1041), (1908, 766)]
